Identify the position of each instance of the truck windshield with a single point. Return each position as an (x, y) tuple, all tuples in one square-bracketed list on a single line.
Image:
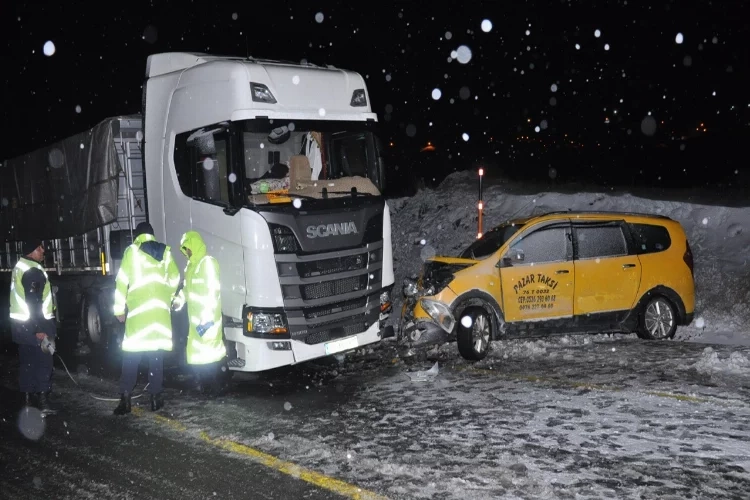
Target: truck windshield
[(490, 242), (309, 158)]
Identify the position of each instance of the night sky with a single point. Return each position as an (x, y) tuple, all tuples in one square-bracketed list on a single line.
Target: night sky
[(600, 91)]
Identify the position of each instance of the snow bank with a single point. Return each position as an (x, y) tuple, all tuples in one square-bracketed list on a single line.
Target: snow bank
[(443, 221)]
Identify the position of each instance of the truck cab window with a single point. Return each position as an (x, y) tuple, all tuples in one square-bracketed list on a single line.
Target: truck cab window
[(202, 164)]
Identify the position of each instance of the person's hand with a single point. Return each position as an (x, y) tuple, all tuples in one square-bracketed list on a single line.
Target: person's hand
[(121, 318), (40, 336)]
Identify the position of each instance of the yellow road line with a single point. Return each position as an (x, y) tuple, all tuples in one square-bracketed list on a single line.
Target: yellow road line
[(289, 468), (586, 385), (294, 470)]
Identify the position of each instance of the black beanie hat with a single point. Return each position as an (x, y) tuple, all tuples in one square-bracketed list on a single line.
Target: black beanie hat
[(30, 245), (144, 228)]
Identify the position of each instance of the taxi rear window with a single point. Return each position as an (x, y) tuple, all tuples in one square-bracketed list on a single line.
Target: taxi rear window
[(650, 238)]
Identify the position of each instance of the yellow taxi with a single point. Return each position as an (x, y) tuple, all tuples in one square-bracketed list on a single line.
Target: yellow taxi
[(557, 273)]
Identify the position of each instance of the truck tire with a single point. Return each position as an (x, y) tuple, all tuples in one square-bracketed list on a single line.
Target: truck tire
[(91, 322)]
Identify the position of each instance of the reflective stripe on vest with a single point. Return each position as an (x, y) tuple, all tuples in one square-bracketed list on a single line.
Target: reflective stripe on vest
[(19, 309)]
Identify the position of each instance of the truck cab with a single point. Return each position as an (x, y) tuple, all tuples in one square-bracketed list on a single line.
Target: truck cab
[(279, 167)]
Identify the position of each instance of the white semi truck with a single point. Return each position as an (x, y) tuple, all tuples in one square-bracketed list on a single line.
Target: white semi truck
[(277, 165)]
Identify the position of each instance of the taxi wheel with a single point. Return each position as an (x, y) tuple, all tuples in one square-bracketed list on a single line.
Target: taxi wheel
[(658, 320), (474, 333)]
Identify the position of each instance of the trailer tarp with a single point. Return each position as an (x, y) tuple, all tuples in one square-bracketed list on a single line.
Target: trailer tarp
[(61, 190)]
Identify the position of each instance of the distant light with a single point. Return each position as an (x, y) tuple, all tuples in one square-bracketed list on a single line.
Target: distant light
[(486, 25), (481, 172), (49, 48), (479, 235), (480, 206)]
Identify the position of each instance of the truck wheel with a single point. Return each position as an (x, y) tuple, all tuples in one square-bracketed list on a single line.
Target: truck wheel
[(658, 320), (91, 321), (474, 339)]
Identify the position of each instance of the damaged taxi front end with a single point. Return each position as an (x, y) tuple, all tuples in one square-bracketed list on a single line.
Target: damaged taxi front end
[(426, 314)]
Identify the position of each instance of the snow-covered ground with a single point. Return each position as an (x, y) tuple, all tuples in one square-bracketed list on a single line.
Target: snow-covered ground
[(443, 221), (567, 417)]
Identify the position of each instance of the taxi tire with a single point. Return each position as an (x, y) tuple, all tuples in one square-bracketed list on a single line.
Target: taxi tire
[(643, 330), (467, 344)]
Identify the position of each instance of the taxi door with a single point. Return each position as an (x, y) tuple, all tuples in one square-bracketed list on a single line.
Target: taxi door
[(537, 274)]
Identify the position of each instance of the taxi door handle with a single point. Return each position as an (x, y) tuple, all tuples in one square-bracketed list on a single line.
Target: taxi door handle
[(628, 266), (562, 271)]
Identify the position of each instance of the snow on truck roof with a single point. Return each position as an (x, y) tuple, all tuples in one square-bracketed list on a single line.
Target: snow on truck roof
[(168, 62)]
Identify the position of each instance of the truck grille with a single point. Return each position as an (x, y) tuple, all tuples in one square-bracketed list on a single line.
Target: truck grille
[(332, 266), (322, 312), (334, 287), (357, 325)]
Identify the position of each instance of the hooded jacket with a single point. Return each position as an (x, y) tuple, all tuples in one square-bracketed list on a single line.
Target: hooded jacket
[(145, 284), (201, 295)]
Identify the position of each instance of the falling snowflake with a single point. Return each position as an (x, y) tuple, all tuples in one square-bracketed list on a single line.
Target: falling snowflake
[(78, 109), (234, 16), (463, 54), (679, 38), (465, 137), (322, 112), (436, 94), (597, 33), (295, 79), (578, 47), (486, 25), (553, 87), (49, 48), (319, 17)]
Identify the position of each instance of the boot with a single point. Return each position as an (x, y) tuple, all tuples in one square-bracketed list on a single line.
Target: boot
[(124, 407), (43, 403), (156, 402), (28, 399)]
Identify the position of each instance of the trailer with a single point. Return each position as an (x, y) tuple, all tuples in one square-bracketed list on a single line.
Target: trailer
[(279, 167)]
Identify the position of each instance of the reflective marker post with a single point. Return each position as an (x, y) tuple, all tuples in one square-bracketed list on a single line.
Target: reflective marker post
[(480, 205)]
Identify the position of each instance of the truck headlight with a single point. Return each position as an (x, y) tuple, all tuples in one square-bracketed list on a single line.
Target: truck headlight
[(385, 301), (440, 313), (265, 324)]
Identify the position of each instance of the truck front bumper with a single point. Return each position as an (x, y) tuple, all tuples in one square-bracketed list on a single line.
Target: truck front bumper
[(254, 355)]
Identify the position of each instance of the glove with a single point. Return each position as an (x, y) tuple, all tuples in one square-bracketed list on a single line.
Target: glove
[(48, 346), (202, 329)]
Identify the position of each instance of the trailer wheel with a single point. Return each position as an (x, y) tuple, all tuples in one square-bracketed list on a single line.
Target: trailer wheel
[(91, 321)]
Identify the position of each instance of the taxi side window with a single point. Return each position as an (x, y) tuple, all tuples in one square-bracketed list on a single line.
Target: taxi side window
[(544, 245), (600, 241)]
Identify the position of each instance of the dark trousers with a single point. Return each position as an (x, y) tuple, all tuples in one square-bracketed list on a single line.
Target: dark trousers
[(36, 369), (129, 375), (210, 375)]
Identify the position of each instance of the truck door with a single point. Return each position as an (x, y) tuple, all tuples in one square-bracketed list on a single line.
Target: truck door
[(203, 159)]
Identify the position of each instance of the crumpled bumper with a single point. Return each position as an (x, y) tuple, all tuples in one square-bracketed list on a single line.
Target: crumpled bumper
[(423, 332)]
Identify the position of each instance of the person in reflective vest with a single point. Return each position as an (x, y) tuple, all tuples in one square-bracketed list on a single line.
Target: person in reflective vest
[(145, 284), (201, 295), (33, 325)]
